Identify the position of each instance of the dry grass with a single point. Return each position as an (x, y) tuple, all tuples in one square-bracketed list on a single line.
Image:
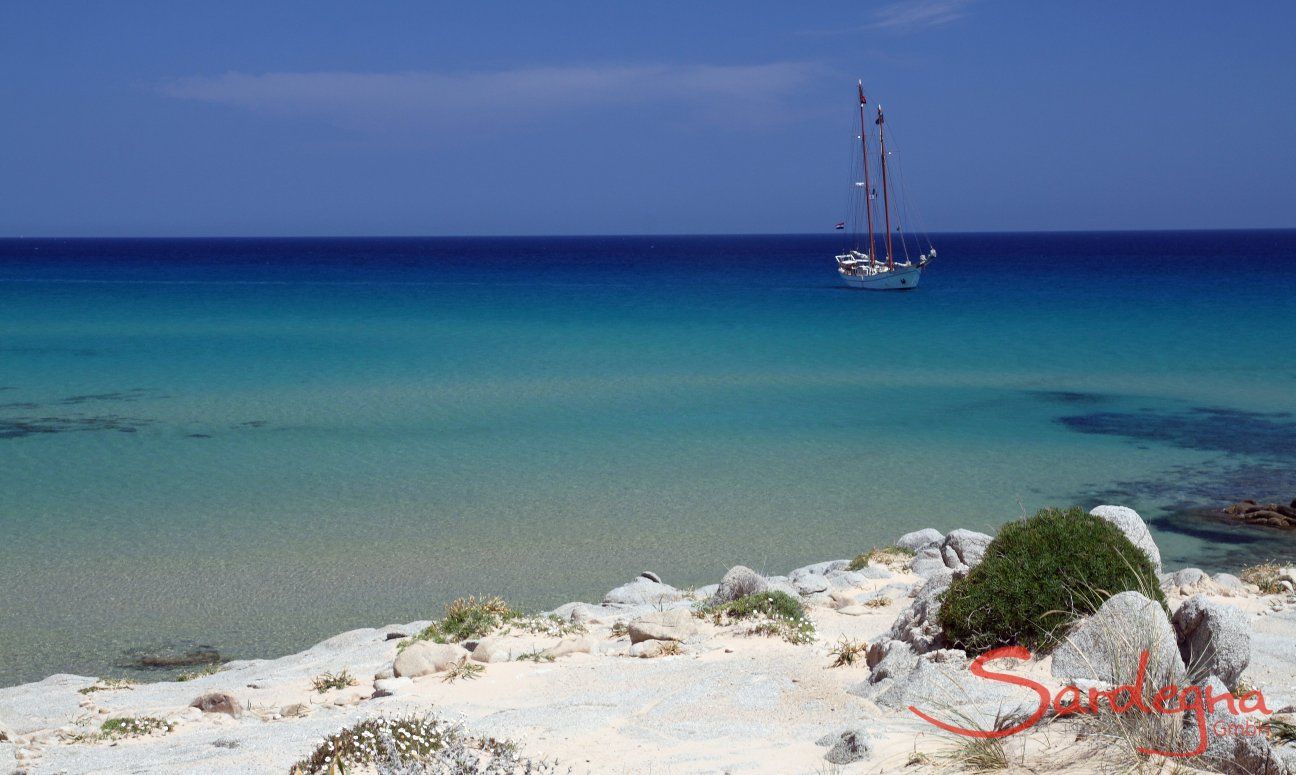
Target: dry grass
[(893, 557), (1266, 576), (339, 680), (463, 669), (848, 652)]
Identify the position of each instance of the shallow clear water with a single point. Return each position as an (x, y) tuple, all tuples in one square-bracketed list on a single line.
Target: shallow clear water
[(259, 443)]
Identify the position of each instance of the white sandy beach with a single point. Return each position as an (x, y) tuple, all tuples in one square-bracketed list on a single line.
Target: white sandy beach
[(728, 702)]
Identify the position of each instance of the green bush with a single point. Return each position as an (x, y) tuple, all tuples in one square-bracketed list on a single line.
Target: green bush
[(778, 613), (773, 604), (1038, 576), (467, 618)]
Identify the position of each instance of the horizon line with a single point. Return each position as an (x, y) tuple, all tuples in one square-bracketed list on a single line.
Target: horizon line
[(632, 234)]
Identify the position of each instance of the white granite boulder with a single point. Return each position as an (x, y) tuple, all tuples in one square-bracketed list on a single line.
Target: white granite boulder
[(920, 539), (1213, 638), (423, 657), (1107, 646), (1132, 525), (919, 625), (675, 624), (642, 591), (963, 549)]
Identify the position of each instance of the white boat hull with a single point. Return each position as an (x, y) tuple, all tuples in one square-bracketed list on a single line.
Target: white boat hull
[(898, 279)]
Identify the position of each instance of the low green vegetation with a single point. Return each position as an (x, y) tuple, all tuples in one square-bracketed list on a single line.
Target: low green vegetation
[(106, 685), (537, 656), (473, 618), (339, 680), (893, 557), (203, 672), (1038, 576), (135, 726), (776, 614)]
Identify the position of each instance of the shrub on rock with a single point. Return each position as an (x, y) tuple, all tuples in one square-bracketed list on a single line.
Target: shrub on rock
[(1038, 576)]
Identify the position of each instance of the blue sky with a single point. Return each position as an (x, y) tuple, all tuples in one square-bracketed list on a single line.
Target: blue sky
[(331, 118)]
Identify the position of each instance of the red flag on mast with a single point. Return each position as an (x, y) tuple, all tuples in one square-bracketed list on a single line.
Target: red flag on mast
[(860, 85)]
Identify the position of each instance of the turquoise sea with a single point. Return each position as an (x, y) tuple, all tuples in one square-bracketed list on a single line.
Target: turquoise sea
[(256, 444)]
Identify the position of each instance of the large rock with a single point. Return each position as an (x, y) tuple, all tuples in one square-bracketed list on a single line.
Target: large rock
[(889, 659), (423, 657), (920, 539), (1229, 585), (1229, 751), (818, 569), (739, 581), (918, 625), (642, 591), (928, 562), (940, 685), (1107, 645), (1214, 639), (218, 702), (1132, 525), (810, 583), (675, 624), (964, 548)]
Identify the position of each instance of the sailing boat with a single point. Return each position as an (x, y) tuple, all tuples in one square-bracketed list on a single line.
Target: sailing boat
[(865, 268)]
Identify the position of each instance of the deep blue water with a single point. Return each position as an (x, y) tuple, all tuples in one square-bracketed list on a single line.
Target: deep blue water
[(259, 443)]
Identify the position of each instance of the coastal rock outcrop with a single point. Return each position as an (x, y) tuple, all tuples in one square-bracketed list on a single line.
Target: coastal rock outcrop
[(963, 549), (1268, 514), (810, 583), (1213, 638), (1107, 645), (675, 624), (920, 539), (424, 657), (919, 625), (1132, 525)]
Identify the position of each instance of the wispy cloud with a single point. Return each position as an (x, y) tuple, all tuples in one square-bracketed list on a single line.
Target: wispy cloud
[(917, 14), (425, 99)]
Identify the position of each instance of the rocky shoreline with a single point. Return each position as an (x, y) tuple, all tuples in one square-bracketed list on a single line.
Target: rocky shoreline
[(811, 671)]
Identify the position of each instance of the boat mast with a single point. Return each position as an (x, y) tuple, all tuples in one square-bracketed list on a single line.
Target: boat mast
[(886, 202), (868, 186)]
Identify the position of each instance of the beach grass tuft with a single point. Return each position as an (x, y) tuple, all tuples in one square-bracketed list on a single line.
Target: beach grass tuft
[(339, 680), (848, 652), (463, 669)]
